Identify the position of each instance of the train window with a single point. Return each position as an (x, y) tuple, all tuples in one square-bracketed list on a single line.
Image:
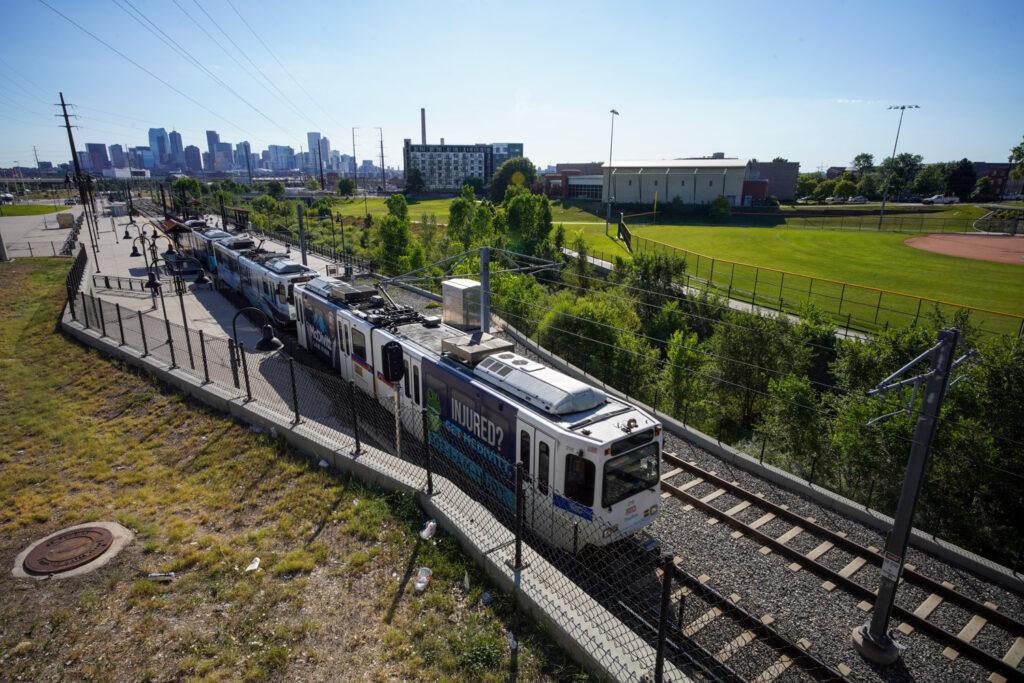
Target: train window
[(543, 465), (266, 288), (579, 479), (408, 389), (359, 344), (416, 383), (524, 450)]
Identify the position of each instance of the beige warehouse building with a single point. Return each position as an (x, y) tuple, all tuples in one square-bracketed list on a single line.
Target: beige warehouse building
[(692, 181)]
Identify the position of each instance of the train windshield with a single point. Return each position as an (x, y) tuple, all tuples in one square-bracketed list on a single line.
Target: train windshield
[(628, 474)]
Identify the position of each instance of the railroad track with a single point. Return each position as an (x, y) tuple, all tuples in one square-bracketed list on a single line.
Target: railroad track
[(1003, 668)]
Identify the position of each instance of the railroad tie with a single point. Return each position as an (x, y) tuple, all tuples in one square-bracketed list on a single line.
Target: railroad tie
[(968, 632), (785, 538), (780, 665), (813, 555), (850, 569), (1012, 657), (671, 473), (738, 534), (703, 620), (740, 641), (710, 497), (925, 609)]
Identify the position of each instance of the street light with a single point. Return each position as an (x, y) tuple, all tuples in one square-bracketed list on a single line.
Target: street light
[(885, 190), (611, 141), (268, 342)]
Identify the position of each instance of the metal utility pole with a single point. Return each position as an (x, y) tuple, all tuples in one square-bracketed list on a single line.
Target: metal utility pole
[(302, 232), (485, 289), (355, 165), (873, 639), (611, 142), (320, 162), (248, 161), (82, 195), (885, 190), (35, 153), (383, 180)]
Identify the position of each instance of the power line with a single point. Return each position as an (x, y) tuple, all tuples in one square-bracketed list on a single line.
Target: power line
[(142, 68), (290, 75), (281, 96), (173, 44)]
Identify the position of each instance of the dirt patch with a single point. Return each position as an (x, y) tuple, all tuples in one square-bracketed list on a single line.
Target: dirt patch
[(996, 248)]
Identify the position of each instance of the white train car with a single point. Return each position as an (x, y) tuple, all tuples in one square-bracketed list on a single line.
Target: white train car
[(593, 461), (199, 243), (226, 251), (268, 279)]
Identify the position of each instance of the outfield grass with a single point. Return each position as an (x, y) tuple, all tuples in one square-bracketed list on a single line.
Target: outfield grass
[(84, 438), (875, 260), (375, 207), (30, 209)]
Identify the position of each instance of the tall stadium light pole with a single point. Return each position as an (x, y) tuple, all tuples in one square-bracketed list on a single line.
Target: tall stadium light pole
[(611, 142), (885, 190)]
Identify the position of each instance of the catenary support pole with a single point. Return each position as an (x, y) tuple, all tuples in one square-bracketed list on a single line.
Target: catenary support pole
[(668, 569), (202, 352), (873, 639), (485, 289), (302, 232)]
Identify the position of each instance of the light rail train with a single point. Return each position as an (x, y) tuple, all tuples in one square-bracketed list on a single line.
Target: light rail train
[(592, 460)]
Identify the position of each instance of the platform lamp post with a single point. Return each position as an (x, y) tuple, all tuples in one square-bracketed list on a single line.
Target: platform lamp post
[(885, 189), (179, 288), (268, 342), (611, 142), (136, 252)]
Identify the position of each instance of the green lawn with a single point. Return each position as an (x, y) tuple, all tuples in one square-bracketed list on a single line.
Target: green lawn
[(376, 208), (30, 209), (819, 262)]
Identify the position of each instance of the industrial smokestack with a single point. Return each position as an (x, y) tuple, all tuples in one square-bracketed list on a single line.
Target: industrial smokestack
[(442, 141), (423, 126)]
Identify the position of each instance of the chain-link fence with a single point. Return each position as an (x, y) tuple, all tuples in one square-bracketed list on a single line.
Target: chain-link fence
[(659, 618)]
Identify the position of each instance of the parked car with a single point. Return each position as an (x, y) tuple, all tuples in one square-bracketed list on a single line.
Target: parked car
[(859, 199), (806, 200), (69, 202), (941, 199)]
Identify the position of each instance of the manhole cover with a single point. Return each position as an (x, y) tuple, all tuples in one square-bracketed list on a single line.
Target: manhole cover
[(68, 550)]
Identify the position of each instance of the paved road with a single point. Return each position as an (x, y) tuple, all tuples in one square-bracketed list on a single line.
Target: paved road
[(40, 231)]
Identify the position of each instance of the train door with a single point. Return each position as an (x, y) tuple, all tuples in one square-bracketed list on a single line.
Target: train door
[(543, 470), (344, 348), (362, 357), (412, 396)]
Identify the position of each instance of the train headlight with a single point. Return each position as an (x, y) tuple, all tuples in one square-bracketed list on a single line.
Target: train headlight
[(610, 530), (651, 511)]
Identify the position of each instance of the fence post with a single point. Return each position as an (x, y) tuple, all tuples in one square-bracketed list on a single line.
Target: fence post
[(245, 372), (782, 282), (848, 316), (916, 315), (711, 277), (120, 325), (103, 318), (202, 352), (668, 569), (842, 295), (170, 340), (232, 354), (878, 305), (427, 459), (295, 391), (517, 563), (53, 248), (30, 249), (732, 274), (753, 297), (142, 328), (764, 442), (355, 416)]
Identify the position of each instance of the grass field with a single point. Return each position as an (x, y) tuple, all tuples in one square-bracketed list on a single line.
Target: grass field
[(85, 439), (29, 209), (876, 260), (560, 212)]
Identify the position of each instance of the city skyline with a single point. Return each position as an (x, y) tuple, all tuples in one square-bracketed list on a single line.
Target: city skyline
[(720, 88)]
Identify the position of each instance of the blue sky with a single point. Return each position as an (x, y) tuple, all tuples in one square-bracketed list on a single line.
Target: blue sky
[(809, 81)]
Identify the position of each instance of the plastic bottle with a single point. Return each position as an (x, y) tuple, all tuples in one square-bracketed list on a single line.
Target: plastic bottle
[(428, 530), (423, 577)]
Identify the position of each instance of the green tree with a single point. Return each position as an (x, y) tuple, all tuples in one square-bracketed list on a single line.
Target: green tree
[(275, 189), (795, 426), (516, 171), (681, 373), (394, 237), (826, 188), (845, 188), (1017, 159), (898, 173), (559, 239), (863, 163), (346, 187), (414, 183), (779, 160), (807, 184), (931, 180), (719, 210), (983, 190), (311, 184), (581, 268), (428, 235), (461, 218), (868, 186), (519, 299), (474, 182), (189, 186), (961, 179), (398, 207)]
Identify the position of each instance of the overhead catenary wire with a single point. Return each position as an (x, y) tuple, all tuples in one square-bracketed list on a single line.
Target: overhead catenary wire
[(153, 28), (279, 63), (280, 93), (144, 69)]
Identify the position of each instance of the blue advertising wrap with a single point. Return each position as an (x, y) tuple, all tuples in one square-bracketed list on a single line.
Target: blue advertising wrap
[(321, 330), (473, 429)]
